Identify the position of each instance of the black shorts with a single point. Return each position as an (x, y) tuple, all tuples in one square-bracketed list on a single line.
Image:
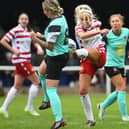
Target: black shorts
[(55, 65), (112, 71)]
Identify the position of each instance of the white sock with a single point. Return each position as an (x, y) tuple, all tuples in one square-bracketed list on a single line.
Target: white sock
[(10, 96), (83, 53), (33, 91), (85, 99)]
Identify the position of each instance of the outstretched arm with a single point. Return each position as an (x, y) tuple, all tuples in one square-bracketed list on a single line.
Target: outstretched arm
[(84, 35)]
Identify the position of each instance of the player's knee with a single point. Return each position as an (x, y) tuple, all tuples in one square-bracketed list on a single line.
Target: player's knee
[(42, 69), (83, 91), (37, 82), (120, 85), (121, 88), (17, 87)]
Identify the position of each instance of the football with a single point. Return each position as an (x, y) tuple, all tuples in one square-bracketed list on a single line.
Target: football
[(72, 45)]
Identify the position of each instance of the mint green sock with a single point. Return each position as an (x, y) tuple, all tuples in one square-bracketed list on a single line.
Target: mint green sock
[(55, 103), (110, 99), (43, 84), (122, 102)]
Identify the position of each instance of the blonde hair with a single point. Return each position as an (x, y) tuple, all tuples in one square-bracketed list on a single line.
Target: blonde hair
[(53, 6), (83, 9), (121, 17)]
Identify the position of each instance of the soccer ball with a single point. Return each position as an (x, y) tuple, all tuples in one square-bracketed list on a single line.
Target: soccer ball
[(72, 45)]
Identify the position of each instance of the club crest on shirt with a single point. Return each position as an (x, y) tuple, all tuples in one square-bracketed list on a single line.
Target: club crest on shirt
[(21, 42)]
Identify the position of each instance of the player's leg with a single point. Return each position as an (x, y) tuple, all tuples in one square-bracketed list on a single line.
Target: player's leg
[(82, 53), (84, 83), (97, 57), (106, 103), (89, 53), (119, 83), (53, 75), (33, 91), (115, 75), (55, 101), (11, 94), (42, 71), (111, 71)]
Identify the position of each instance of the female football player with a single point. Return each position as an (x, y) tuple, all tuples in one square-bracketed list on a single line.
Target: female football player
[(56, 46), (92, 53), (21, 41), (116, 41)]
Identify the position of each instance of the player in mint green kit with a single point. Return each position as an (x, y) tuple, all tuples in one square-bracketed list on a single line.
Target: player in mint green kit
[(56, 45), (116, 41)]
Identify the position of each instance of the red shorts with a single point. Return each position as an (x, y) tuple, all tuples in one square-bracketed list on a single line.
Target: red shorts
[(24, 68), (88, 67)]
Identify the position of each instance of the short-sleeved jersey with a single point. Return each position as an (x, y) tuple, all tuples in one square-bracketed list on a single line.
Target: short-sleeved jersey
[(116, 48), (91, 42), (21, 40), (57, 33)]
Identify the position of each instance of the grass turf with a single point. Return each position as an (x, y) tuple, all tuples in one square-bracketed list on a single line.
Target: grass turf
[(72, 111)]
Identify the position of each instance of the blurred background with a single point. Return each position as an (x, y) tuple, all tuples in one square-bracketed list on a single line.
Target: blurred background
[(10, 9)]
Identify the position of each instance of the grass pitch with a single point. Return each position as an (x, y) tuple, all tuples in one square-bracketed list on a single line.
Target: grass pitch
[(72, 111)]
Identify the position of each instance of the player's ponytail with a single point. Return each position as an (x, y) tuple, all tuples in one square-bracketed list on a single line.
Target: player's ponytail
[(53, 6)]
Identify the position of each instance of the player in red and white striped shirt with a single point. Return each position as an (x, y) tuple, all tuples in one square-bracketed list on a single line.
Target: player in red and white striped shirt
[(88, 35), (21, 41)]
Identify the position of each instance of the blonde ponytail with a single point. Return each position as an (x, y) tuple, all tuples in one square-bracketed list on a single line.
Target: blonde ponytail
[(53, 6)]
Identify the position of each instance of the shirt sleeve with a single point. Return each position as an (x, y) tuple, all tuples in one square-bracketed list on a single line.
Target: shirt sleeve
[(9, 36), (78, 29), (97, 23), (53, 32)]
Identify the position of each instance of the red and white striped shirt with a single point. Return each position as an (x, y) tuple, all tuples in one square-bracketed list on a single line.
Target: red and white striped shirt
[(21, 40), (92, 42)]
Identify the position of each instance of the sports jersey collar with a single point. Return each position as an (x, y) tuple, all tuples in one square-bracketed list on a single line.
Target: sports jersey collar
[(57, 17), (116, 34), (24, 29)]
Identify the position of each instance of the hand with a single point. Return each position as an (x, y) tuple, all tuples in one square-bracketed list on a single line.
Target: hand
[(16, 52), (104, 31), (40, 51), (39, 35), (33, 35)]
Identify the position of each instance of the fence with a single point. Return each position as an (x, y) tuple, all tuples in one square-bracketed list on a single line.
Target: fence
[(68, 68)]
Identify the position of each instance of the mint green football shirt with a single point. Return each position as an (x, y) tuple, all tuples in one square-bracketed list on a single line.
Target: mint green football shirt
[(57, 33), (116, 48)]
